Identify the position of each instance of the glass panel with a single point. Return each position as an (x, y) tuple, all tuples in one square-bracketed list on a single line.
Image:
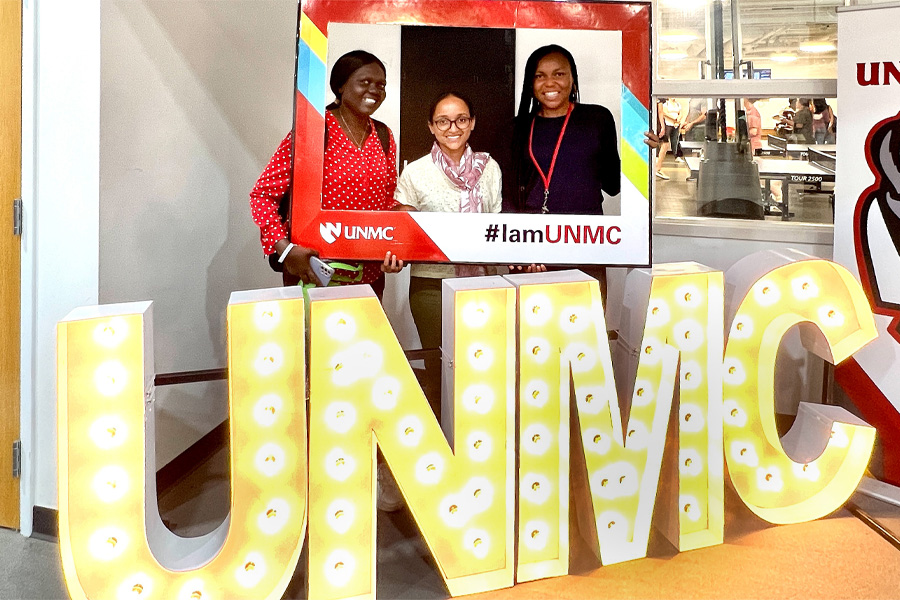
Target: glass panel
[(790, 175), (781, 39), (681, 38), (790, 40)]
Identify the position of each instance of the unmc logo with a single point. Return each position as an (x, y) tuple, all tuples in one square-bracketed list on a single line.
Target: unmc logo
[(330, 231)]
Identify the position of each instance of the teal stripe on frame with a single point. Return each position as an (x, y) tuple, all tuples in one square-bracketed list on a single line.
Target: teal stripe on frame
[(634, 124), (311, 77), (634, 103)]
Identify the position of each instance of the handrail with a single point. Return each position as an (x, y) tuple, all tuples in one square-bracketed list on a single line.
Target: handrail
[(183, 377)]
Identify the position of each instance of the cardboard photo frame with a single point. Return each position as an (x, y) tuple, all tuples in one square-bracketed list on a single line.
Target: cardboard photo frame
[(622, 239)]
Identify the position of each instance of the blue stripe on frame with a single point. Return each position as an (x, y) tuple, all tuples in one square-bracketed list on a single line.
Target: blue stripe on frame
[(634, 103), (634, 124), (311, 77)]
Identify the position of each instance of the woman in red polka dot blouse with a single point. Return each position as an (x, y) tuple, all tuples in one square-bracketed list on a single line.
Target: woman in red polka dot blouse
[(360, 172)]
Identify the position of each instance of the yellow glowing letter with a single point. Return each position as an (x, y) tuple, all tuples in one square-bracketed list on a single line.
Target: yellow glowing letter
[(561, 328), (112, 540), (818, 464), (364, 394), (685, 309)]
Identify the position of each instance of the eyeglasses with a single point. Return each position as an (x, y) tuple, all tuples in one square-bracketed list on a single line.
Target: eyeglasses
[(444, 124)]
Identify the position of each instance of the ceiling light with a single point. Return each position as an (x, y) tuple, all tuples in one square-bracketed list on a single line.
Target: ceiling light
[(685, 4), (676, 37), (783, 58), (672, 55), (818, 47)]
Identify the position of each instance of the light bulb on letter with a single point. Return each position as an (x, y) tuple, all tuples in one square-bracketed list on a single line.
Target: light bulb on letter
[(596, 441), (110, 378), (409, 431), (339, 465), (480, 356), (535, 534), (340, 326), (535, 488), (766, 293), (270, 459), (269, 359), (135, 587), (536, 439), (536, 393), (274, 517), (267, 315), (430, 468), (536, 349), (478, 398), (477, 542), (340, 416), (111, 484), (479, 446), (108, 432), (340, 515), (251, 570), (574, 319), (339, 568), (108, 543), (267, 410), (110, 334), (475, 314), (385, 392), (537, 309)]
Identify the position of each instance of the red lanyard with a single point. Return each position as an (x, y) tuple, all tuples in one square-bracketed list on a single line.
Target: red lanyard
[(546, 178)]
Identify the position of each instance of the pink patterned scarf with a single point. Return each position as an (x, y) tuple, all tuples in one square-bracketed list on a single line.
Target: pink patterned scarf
[(465, 176)]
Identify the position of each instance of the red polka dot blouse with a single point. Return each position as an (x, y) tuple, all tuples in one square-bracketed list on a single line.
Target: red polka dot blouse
[(355, 179)]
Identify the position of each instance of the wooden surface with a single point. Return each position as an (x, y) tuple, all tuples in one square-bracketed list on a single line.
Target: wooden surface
[(10, 188)]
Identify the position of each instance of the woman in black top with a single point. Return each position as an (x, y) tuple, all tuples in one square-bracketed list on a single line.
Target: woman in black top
[(564, 152)]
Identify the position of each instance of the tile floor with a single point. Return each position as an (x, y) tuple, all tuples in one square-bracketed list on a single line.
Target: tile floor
[(836, 557)]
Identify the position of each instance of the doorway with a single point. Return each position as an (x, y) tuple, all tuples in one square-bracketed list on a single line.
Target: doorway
[(10, 253), (476, 62)]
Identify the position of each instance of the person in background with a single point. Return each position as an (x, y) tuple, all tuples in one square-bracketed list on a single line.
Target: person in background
[(784, 122), (359, 171), (670, 125), (451, 178), (803, 122), (695, 122), (754, 125), (823, 122)]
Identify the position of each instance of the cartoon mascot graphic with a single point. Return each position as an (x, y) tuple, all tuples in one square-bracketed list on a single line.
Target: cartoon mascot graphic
[(877, 247), (877, 223)]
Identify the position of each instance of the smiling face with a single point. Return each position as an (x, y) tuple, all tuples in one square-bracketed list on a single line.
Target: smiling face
[(363, 92), (553, 85), (453, 140)]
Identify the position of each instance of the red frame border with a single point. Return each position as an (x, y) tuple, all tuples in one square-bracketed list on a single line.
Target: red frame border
[(409, 240)]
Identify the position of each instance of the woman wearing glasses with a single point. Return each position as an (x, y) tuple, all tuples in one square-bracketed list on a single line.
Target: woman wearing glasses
[(452, 178)]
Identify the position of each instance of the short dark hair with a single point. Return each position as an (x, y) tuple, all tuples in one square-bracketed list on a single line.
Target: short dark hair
[(804, 102), (440, 97), (346, 66), (528, 103), (820, 104)]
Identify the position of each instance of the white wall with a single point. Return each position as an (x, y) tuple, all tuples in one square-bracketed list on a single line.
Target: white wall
[(60, 191), (196, 95), (138, 186)]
